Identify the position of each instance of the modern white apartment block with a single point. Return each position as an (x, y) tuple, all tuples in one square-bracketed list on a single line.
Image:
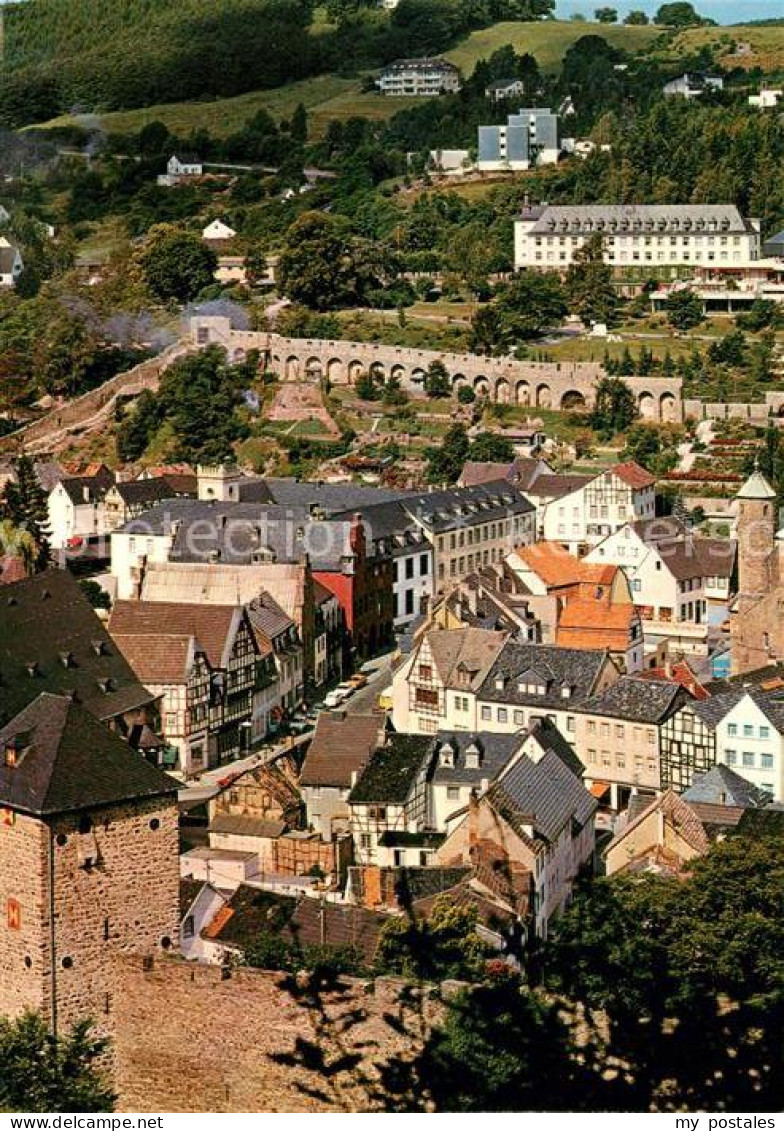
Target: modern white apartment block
[(702, 235), (530, 137), (419, 77)]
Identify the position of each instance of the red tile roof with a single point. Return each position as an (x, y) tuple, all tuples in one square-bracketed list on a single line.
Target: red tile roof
[(679, 673)]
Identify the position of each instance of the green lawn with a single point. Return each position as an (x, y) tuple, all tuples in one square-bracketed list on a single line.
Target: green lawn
[(547, 40), (326, 98), (766, 42)]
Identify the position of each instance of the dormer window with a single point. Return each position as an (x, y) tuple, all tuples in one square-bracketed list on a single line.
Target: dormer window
[(500, 683), (33, 669), (99, 647), (566, 692), (446, 756), (67, 659), (106, 685), (473, 757)]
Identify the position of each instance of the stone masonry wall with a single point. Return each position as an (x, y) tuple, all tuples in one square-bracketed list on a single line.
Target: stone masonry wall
[(189, 1039), (126, 902), (24, 982)]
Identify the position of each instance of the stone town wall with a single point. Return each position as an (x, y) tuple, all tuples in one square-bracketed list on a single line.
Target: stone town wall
[(188, 1038), (558, 385)]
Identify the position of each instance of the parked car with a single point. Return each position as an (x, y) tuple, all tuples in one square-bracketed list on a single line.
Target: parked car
[(339, 695), (357, 681)]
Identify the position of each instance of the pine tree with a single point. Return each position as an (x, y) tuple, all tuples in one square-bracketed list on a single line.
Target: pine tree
[(24, 505)]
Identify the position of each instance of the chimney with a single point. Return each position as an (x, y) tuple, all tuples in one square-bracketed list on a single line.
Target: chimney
[(668, 665), (372, 886), (473, 824)]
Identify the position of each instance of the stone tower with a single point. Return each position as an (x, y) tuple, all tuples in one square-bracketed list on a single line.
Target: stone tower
[(755, 622), (88, 862)]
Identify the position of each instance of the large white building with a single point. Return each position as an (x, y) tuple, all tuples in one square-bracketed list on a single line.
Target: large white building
[(644, 235), (422, 77), (529, 137)]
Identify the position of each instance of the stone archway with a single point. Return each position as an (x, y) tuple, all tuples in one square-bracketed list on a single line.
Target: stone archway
[(502, 391), (398, 372), (544, 396), (646, 404), (667, 407), (335, 370), (573, 400), (377, 371), (458, 380), (523, 392), (238, 355), (292, 368), (418, 377), (481, 386), (313, 369), (354, 369)]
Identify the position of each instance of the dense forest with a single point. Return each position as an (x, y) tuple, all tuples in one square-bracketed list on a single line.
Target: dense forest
[(151, 51)]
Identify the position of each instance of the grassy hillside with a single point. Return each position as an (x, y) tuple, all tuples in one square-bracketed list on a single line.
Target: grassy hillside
[(325, 97), (548, 41), (766, 43)]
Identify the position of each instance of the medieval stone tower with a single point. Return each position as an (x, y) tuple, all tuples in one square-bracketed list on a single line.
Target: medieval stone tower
[(88, 862), (756, 626)]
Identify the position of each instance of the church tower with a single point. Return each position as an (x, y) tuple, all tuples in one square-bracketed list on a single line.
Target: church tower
[(755, 622)]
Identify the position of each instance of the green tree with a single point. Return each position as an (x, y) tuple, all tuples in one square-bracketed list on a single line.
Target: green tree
[(531, 303), (367, 387), (42, 1073), (465, 395), (636, 18), (322, 266), (615, 408), (589, 287), (97, 596), (684, 310), (501, 1048), (437, 383), (652, 447), (445, 463), (445, 945), (176, 265), (24, 505), (606, 15), (677, 14), (489, 447), (299, 123)]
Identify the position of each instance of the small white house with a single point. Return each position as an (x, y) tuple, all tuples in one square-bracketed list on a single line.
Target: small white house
[(11, 265), (750, 740), (767, 98), (179, 168), (218, 231)]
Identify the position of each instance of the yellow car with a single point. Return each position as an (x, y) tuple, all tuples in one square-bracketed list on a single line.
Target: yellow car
[(385, 700)]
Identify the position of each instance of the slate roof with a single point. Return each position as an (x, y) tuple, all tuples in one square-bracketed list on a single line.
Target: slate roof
[(472, 650), (614, 216), (213, 626), (249, 913), (522, 471), (495, 751), (66, 760), (237, 824), (266, 615), (189, 889), (331, 498), (392, 771), (720, 785), (714, 709), (546, 794), (636, 700), (402, 887), (467, 506), (553, 486), (698, 557), (680, 814), (316, 923), (46, 620), (145, 492), (662, 528), (574, 668), (546, 735), (158, 658), (341, 745)]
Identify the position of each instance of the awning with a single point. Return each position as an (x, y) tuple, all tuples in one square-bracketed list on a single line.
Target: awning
[(600, 788)]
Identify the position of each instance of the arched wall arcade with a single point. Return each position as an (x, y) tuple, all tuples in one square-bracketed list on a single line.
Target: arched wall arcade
[(548, 385)]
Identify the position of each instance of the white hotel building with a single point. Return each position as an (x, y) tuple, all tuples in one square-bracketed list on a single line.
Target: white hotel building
[(676, 235)]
